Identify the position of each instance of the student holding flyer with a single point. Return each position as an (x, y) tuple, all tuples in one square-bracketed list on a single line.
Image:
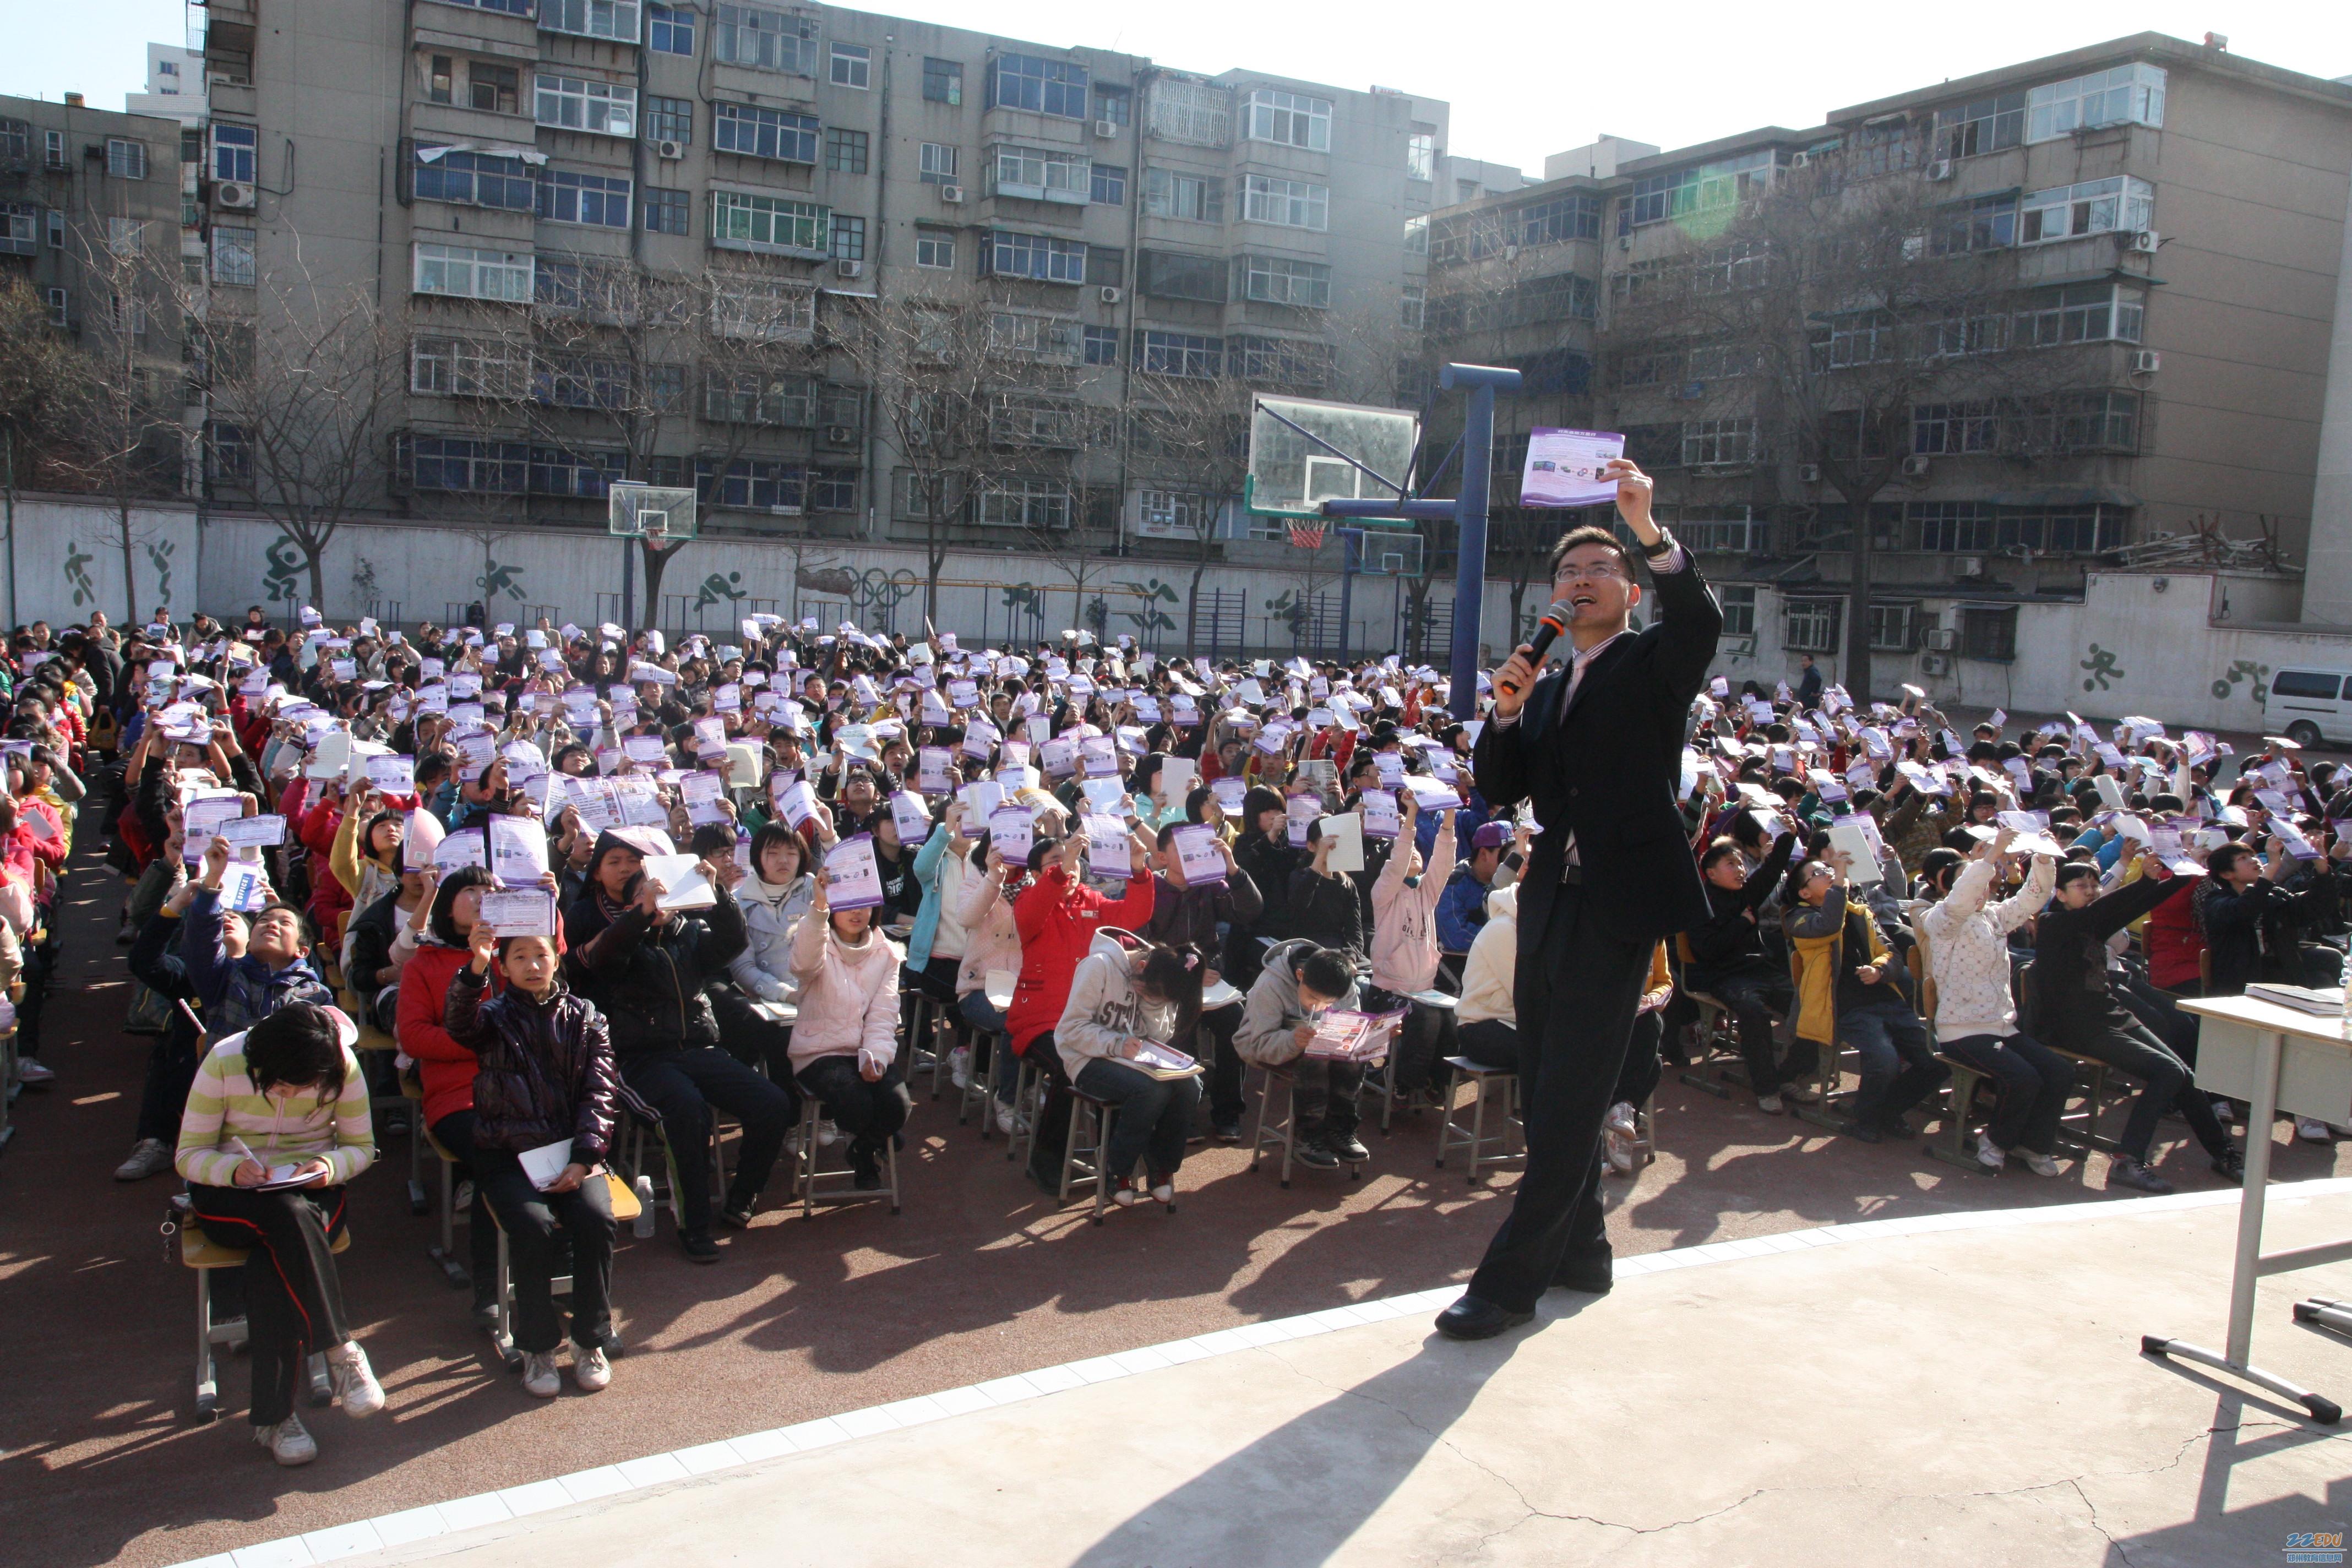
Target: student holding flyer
[(1129, 1001), (1299, 984), (846, 1039), (1188, 905)]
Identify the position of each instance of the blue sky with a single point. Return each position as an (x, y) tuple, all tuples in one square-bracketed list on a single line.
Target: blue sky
[(1524, 78)]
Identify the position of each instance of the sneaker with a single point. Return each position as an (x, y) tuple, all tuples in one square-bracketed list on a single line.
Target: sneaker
[(486, 1314), (736, 1215), (1163, 1188), (462, 1200), (29, 1072), (1125, 1193), (864, 1167), (591, 1369), (1228, 1131), (1769, 1104), (2132, 1174), (149, 1157), (356, 1388), (2230, 1166), (827, 1134), (698, 1247), (1346, 1146), (1801, 1093), (1310, 1152), (2310, 1129), (1619, 1119), (289, 1442), (959, 1066), (1008, 1123), (1991, 1155), (540, 1378), (2041, 1164)]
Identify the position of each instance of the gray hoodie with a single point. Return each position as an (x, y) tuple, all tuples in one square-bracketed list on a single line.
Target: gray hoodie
[(1272, 1012), (770, 909)]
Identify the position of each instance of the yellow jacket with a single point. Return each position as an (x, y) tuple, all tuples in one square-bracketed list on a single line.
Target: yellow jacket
[(1817, 956)]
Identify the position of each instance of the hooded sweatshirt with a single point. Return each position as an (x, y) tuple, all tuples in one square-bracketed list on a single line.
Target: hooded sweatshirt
[(1404, 917), (849, 995), (1056, 917), (770, 910), (1105, 1006), (1264, 1034), (1488, 974)]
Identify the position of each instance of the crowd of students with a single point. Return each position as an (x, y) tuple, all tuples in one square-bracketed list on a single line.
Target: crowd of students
[(579, 876)]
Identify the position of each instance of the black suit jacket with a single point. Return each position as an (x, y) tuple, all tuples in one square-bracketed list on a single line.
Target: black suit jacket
[(1609, 769)]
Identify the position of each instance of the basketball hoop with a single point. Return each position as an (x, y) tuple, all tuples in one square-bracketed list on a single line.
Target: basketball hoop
[(1306, 535)]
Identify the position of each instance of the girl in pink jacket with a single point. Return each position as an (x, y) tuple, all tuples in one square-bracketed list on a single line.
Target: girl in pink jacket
[(845, 1041)]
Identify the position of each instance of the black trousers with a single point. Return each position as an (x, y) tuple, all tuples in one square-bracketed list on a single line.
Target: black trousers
[(760, 1044), (1053, 1125), (171, 1071), (1577, 986), (682, 1086), (1212, 1042), (293, 1296), (868, 1112), (550, 1233)]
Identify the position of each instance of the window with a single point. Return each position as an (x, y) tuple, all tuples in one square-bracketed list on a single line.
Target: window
[(230, 453), (1279, 362), (845, 150), (468, 367), (455, 463), (1952, 525), (614, 19), (574, 103), (853, 66), (751, 485), (53, 149), (581, 381), (935, 248), (1987, 125), (15, 141), (60, 304), (506, 7), (1031, 81), (126, 160), (2127, 95), (1985, 223), (1198, 197), (666, 211), (2082, 314), (1170, 275), (1180, 354), (2094, 207), (1951, 429), (2302, 683), (1890, 627), (1279, 281), (761, 308), (1172, 514), (848, 238), (599, 201), (1290, 119), (756, 397), (440, 77), (1114, 105), (20, 228), (1416, 234), (1421, 155), (670, 29), (1023, 503), (56, 229), (125, 235), (1022, 419), (763, 39), (1293, 203), (832, 489), (1705, 188), (757, 133), (1030, 336), (1738, 601), (1105, 266), (2097, 422), (1858, 337), (465, 273), (497, 89), (475, 179), (233, 254), (1811, 625), (942, 81), (1040, 175), (1719, 441), (1102, 345), (939, 164), (1413, 307), (740, 220), (234, 150), (1989, 633), (669, 120), (1109, 186), (1011, 255), (556, 472)]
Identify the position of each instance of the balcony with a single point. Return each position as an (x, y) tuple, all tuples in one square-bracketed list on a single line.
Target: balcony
[(232, 99), (230, 26)]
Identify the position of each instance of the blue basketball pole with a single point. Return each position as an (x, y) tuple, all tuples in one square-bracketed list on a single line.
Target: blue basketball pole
[(1470, 525)]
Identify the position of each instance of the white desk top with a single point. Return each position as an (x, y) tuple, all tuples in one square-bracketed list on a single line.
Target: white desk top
[(2270, 1017)]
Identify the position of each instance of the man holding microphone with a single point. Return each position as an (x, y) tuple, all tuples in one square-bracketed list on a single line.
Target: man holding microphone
[(1596, 746)]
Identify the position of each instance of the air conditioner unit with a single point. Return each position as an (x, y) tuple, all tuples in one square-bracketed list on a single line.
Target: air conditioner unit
[(951, 195), (1510, 253), (1941, 169), (840, 434), (1624, 242), (1970, 565), (847, 269), (1934, 664), (2144, 242), (1800, 161), (673, 151), (1809, 473), (233, 195), (1915, 468), (1940, 638), (1108, 294), (1106, 129), (2146, 361)]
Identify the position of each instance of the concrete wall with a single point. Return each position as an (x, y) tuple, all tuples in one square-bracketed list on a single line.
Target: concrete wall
[(2327, 580)]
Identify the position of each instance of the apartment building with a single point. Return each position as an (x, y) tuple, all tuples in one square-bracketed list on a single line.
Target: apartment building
[(486, 167), (2166, 219)]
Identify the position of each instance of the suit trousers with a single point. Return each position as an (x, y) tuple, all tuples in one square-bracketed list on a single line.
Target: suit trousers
[(1583, 981)]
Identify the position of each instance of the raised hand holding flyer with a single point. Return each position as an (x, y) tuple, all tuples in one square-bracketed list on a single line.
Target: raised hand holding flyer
[(1564, 468), (853, 878)]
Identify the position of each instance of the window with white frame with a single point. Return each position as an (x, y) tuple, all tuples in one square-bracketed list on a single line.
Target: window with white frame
[(1172, 514), (1199, 198), (1421, 155), (565, 471), (1413, 307), (1955, 429), (2092, 207), (232, 255), (1732, 530), (1891, 628), (1180, 354), (757, 133), (764, 38), (935, 248), (753, 484), (126, 159), (744, 221), (939, 163), (612, 19), (1293, 203), (1035, 255), (1028, 419), (853, 66), (464, 466), (1053, 339), (573, 195), (464, 272), (128, 314), (1811, 625), (1738, 601), (2127, 95), (1416, 234), (1033, 82), (1719, 441), (473, 178), (577, 103), (1291, 118), (1040, 504), (61, 302), (1195, 114), (1041, 175), (126, 235), (235, 148), (2080, 313), (458, 366), (20, 228), (757, 397), (1279, 281), (761, 308)]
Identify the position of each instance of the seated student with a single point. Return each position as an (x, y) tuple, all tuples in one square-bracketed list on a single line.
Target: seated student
[(847, 1036), (1186, 915), (237, 991), (774, 894), (992, 942), (1728, 962), (1462, 904), (1851, 993), (1976, 1005), (286, 1092), (546, 1075), (1486, 1021), (374, 954), (1325, 907), (444, 1066), (1406, 914), (644, 967), (1299, 983), (1127, 993)]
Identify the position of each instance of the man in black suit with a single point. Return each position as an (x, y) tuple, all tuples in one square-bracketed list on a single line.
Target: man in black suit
[(1596, 747)]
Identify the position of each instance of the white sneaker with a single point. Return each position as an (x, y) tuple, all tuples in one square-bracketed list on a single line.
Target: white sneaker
[(959, 1066), (540, 1377), (30, 1071), (1619, 1147), (355, 1385), (1769, 1104), (590, 1369), (1008, 1123), (1991, 1156), (461, 1201), (1620, 1118), (827, 1134), (1165, 1192), (1126, 1196), (288, 1442), (2312, 1129), (2041, 1164), (149, 1157)]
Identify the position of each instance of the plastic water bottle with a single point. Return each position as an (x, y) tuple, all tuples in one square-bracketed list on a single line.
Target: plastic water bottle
[(643, 1225)]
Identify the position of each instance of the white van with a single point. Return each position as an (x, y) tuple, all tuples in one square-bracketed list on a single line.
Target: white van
[(2308, 706)]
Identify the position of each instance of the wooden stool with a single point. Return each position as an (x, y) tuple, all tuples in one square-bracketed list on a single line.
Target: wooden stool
[(807, 1172), (201, 1253), (1474, 1140), (626, 1208)]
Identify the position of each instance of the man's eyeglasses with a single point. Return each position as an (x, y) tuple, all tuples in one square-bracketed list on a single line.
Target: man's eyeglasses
[(1597, 571)]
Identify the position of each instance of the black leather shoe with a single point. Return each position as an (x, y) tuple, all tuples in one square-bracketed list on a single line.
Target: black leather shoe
[(1592, 1277), (1473, 1319)]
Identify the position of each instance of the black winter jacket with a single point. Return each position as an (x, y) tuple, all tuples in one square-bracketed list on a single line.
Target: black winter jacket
[(547, 1067), (646, 983)]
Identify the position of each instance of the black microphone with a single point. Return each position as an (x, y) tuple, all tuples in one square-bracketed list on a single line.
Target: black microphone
[(1554, 622)]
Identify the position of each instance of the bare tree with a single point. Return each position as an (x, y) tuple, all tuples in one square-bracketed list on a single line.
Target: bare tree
[(44, 385), (1187, 439)]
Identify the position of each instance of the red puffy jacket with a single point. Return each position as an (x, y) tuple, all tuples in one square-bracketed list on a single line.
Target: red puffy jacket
[(1056, 917), (447, 1067)]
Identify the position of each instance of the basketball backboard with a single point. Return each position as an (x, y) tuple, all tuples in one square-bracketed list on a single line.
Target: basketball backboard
[(650, 511), (1390, 552), (1304, 452)]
